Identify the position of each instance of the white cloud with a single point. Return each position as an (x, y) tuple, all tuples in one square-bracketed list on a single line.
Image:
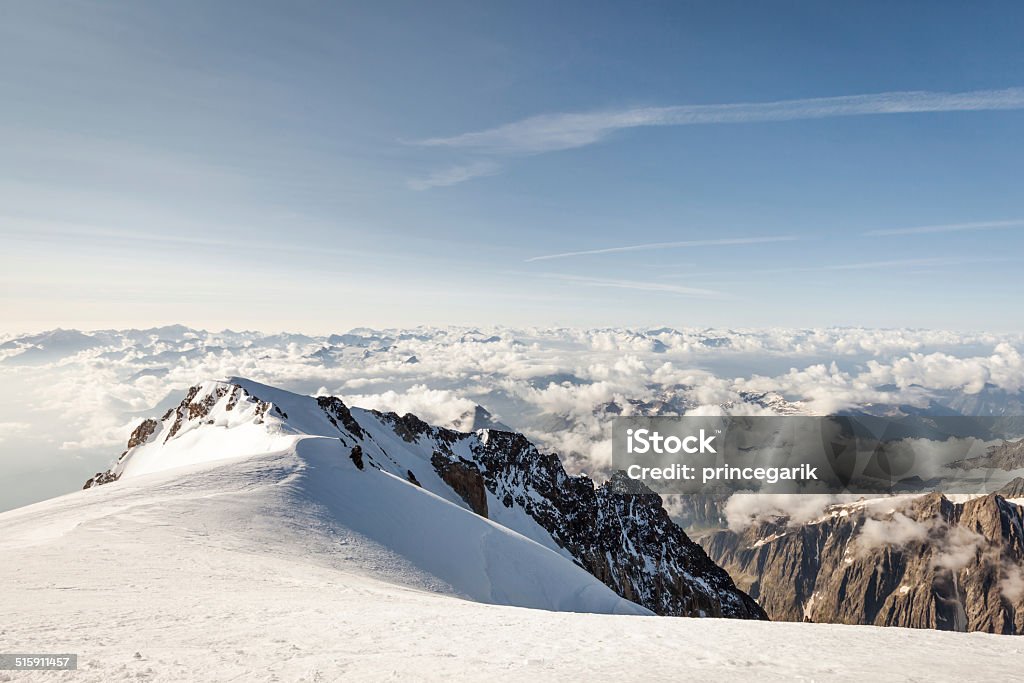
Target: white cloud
[(436, 406), (669, 245), (953, 547), (552, 132), (548, 383), (1004, 369), (744, 509), (898, 530), (1011, 583), (637, 285), (454, 175), (959, 548), (9, 429), (949, 227)]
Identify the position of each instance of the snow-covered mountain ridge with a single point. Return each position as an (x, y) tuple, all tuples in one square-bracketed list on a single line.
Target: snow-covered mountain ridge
[(294, 565), (625, 540)]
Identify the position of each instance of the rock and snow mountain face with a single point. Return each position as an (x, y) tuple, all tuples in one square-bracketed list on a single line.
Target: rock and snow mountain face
[(484, 513), (916, 561)]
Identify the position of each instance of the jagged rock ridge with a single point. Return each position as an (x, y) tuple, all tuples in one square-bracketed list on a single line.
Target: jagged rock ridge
[(620, 535)]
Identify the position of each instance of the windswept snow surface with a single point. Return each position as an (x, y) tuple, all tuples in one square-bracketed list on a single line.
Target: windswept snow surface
[(236, 573)]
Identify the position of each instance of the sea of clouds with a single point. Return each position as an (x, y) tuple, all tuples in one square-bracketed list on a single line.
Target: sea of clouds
[(71, 398)]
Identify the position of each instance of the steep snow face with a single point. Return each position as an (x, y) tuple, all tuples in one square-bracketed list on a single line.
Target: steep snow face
[(414, 488)]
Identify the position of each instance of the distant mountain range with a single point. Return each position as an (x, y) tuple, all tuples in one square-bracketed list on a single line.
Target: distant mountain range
[(917, 561)]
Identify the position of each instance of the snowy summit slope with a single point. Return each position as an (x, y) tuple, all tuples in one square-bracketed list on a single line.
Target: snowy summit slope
[(309, 480)]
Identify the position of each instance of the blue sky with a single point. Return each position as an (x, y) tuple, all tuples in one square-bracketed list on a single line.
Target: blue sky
[(319, 166)]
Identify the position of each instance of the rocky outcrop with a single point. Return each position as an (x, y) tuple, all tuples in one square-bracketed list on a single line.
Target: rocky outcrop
[(196, 408), (99, 478), (143, 433), (339, 414), (356, 456), (929, 563), (617, 532), (408, 426), (465, 479)]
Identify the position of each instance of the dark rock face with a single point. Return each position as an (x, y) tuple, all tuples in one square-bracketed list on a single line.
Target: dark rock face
[(408, 426), (465, 479), (357, 456), (142, 433), (98, 479), (929, 564), (181, 413), (621, 535), (336, 412)]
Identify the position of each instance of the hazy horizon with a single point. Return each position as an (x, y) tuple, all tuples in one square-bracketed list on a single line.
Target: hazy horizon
[(347, 327)]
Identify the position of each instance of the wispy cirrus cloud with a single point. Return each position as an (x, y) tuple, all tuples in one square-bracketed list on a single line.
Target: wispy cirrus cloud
[(731, 241), (926, 262), (949, 227), (907, 265), (637, 285), (454, 175), (559, 131)]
